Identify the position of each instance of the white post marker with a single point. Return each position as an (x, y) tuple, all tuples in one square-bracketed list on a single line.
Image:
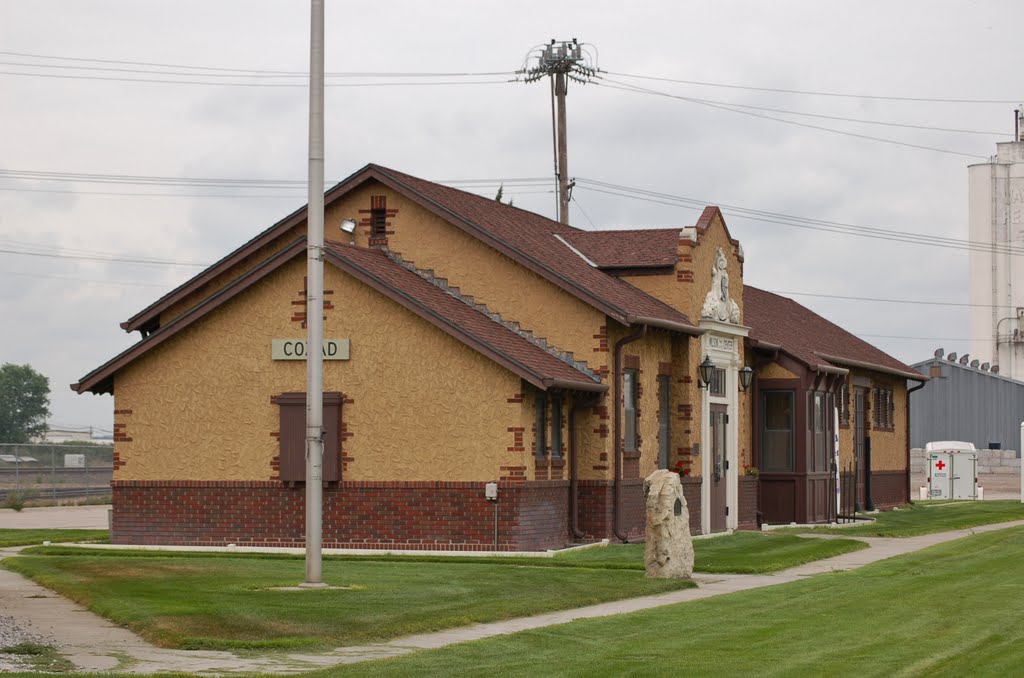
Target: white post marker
[(1020, 451), (315, 302)]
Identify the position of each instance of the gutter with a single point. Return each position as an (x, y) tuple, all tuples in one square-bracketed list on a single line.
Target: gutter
[(665, 325), (914, 376), (588, 386), (617, 425)]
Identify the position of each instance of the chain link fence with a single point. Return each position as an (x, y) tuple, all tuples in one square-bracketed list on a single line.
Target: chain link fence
[(40, 474)]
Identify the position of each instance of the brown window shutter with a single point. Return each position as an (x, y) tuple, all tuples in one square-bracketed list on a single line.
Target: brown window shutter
[(292, 436)]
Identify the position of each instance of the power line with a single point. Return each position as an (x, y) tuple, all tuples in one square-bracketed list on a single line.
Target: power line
[(223, 182), (120, 260), (845, 95), (795, 221), (897, 336), (641, 90), (841, 118), (252, 84), (254, 74), (919, 302), (83, 280), (249, 71)]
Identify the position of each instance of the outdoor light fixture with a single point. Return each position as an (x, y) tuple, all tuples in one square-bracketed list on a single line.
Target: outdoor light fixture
[(746, 376), (348, 225), (707, 370)]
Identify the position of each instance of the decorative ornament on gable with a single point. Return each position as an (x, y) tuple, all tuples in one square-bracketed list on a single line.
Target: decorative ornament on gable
[(717, 304)]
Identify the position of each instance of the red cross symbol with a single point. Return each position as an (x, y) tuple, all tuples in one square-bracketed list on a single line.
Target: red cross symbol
[(940, 465)]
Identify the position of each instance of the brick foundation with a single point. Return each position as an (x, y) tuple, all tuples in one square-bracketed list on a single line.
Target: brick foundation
[(748, 503), (692, 492), (415, 515), (889, 489), (386, 515)]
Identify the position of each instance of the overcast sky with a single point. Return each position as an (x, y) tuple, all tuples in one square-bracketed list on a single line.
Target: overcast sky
[(61, 315)]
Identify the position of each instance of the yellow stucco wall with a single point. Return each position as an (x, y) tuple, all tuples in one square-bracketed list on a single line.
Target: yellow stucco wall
[(774, 371), (425, 406), (888, 447), (476, 269), (686, 286)]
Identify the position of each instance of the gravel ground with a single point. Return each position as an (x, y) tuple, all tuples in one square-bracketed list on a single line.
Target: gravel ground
[(13, 632)]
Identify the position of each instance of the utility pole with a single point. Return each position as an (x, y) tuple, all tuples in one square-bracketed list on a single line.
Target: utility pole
[(315, 302), (561, 61)]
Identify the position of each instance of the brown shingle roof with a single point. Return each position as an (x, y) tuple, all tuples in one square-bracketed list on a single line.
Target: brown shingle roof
[(524, 236), (811, 339), (530, 239), (637, 248), (450, 314)]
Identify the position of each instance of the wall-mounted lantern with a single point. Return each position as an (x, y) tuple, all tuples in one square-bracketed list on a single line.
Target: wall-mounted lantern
[(746, 376), (707, 371)]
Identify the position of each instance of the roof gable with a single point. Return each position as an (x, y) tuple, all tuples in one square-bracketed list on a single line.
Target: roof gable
[(534, 364), (525, 237)]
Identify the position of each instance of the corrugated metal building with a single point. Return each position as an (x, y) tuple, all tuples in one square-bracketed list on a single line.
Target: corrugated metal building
[(965, 402)]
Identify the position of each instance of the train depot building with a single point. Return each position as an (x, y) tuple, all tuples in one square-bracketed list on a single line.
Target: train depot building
[(470, 342)]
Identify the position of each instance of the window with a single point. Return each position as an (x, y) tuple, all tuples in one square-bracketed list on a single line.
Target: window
[(820, 424), (777, 431), (292, 436), (556, 425), (718, 383), (884, 414), (664, 417), (630, 403), (378, 216), (540, 425)]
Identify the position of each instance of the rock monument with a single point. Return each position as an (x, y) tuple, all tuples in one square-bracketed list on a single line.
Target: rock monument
[(669, 550)]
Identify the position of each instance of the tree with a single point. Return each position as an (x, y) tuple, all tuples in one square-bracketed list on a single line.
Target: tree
[(24, 403)]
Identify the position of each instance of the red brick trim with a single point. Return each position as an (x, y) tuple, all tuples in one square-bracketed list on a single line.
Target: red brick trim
[(631, 362)]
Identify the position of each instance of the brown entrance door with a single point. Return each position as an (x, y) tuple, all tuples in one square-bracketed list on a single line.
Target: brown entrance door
[(860, 399), (719, 466)]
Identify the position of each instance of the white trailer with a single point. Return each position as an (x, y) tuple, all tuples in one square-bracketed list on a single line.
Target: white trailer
[(952, 470)]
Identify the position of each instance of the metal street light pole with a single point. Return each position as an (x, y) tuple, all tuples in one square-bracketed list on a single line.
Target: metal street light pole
[(315, 302)]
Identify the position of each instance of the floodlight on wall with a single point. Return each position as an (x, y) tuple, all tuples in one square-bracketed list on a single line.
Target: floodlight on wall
[(746, 376), (707, 371), (349, 226)]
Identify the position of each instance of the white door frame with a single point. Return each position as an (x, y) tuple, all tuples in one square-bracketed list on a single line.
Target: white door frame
[(721, 342)]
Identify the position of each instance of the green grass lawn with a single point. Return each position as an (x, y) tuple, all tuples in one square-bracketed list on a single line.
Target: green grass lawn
[(741, 552), (223, 603), (924, 517), (196, 600), (12, 537), (952, 610)]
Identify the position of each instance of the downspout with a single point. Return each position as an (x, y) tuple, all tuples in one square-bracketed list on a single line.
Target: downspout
[(617, 432), (909, 391), (574, 466)]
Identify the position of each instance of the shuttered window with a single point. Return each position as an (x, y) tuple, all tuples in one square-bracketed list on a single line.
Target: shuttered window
[(292, 436), (630, 403), (664, 417), (540, 426), (556, 425)]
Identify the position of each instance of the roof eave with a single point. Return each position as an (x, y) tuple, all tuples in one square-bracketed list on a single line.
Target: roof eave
[(915, 376), (665, 325), (516, 367), (97, 380)]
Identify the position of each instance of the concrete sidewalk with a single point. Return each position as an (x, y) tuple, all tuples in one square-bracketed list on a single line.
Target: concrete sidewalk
[(56, 517), (93, 643)]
